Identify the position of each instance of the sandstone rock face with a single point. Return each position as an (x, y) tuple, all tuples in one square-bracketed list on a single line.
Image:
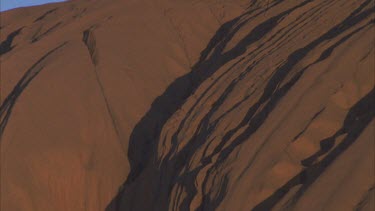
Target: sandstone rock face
[(188, 105)]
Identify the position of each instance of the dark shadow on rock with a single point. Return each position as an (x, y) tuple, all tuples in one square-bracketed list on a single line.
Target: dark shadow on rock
[(356, 121), (144, 140), (37, 36), (9, 102), (45, 15), (145, 136), (6, 45)]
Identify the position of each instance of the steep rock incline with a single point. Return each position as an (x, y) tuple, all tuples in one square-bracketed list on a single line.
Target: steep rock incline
[(75, 79), (277, 114), (188, 105)]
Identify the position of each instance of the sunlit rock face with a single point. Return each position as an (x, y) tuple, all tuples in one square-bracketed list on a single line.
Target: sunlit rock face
[(188, 105)]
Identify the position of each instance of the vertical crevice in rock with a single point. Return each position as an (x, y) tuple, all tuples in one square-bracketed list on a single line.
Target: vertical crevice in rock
[(89, 40)]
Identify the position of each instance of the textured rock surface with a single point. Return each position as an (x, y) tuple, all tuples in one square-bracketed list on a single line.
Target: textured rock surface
[(188, 105)]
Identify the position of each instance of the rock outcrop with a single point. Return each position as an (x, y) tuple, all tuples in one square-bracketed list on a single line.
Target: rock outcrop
[(188, 105)]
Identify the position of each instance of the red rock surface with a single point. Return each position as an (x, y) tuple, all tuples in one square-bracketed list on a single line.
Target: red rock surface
[(188, 105)]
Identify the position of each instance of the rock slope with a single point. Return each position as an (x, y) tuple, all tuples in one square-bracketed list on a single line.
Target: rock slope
[(188, 105)]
